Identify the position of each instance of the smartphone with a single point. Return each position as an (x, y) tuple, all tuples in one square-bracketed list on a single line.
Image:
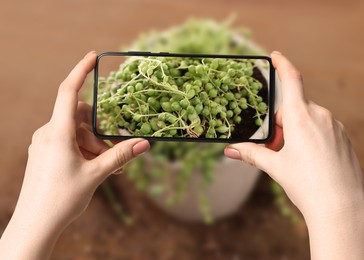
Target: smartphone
[(183, 97)]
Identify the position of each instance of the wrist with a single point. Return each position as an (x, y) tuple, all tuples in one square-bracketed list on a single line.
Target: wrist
[(337, 233), (30, 234), (335, 208)]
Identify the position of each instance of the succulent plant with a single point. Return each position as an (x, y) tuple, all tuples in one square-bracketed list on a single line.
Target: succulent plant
[(202, 37), (183, 97)]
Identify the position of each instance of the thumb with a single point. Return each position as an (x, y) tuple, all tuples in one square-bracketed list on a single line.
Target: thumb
[(253, 154), (117, 156)]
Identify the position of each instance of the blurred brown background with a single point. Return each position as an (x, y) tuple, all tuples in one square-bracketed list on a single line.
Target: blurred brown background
[(40, 41)]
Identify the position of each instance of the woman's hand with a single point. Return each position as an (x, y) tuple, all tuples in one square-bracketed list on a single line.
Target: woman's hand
[(316, 166), (65, 166)]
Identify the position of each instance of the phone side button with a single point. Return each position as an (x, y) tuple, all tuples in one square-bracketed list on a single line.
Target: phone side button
[(139, 52)]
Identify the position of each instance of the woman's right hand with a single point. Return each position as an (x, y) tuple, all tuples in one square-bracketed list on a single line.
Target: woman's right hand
[(316, 165)]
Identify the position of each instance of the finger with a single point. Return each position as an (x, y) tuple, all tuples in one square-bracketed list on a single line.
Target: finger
[(83, 114), (87, 155), (253, 154), (114, 142), (278, 117), (291, 79), (117, 156), (118, 171), (67, 98), (89, 142), (277, 141)]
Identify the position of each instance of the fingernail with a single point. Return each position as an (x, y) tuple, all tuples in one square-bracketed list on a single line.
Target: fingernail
[(232, 153), (88, 54), (140, 147), (276, 53)]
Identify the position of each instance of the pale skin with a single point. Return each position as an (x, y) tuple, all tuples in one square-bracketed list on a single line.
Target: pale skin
[(65, 166), (316, 166), (310, 157)]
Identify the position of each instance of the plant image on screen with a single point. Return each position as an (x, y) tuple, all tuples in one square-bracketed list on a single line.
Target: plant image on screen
[(183, 97), (181, 178)]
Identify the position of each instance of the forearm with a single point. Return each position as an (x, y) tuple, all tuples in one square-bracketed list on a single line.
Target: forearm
[(29, 237), (339, 236)]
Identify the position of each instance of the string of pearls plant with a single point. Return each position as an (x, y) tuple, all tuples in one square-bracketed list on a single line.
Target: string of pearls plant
[(192, 36), (179, 97)]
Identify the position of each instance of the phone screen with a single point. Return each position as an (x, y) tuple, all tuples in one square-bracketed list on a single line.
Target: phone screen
[(163, 96)]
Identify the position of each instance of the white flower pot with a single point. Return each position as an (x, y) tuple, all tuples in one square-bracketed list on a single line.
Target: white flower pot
[(233, 182)]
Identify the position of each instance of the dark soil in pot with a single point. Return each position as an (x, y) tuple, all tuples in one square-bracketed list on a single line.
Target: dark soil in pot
[(248, 127)]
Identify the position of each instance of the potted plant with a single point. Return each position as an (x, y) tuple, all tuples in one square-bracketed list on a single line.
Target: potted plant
[(194, 181)]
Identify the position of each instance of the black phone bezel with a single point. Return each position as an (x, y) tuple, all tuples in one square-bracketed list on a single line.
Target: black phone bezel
[(271, 97)]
